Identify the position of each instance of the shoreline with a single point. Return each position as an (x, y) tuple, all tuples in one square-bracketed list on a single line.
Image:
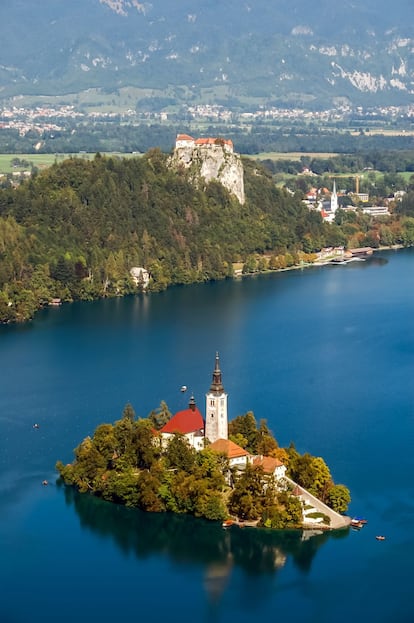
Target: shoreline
[(322, 262), (237, 275)]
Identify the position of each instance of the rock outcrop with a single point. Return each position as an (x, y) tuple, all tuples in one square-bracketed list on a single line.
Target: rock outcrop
[(211, 159)]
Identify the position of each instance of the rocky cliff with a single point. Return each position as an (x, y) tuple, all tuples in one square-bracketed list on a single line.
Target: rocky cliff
[(211, 159)]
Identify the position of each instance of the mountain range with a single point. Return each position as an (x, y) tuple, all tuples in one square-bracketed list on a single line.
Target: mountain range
[(234, 52)]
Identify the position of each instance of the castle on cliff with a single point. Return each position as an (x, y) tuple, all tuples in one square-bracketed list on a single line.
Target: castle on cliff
[(186, 141), (211, 159)]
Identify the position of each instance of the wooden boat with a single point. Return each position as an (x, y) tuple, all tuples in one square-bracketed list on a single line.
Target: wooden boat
[(380, 538), (355, 523), (227, 523)]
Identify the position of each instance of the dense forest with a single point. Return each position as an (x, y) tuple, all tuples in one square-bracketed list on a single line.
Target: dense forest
[(75, 230), (126, 463)]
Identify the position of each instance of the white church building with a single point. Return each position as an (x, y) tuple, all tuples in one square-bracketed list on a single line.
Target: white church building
[(213, 431), (190, 422)]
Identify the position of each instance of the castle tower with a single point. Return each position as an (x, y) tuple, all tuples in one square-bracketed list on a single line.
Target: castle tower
[(334, 199), (216, 407)]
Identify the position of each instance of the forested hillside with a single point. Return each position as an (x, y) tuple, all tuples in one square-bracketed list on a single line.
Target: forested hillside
[(75, 230)]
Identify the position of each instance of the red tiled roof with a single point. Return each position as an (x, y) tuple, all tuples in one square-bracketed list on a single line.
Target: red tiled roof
[(187, 421), (184, 137), (268, 463), (213, 141), (230, 449)]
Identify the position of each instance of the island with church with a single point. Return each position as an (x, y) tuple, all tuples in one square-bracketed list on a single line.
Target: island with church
[(234, 472)]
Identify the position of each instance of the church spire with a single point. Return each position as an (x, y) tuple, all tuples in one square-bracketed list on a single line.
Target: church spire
[(217, 383), (334, 198), (216, 407)]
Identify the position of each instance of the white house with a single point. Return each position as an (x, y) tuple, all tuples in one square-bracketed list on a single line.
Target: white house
[(270, 465), (237, 456), (140, 276)]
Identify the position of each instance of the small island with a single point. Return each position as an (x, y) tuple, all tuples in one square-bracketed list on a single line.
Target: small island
[(233, 472)]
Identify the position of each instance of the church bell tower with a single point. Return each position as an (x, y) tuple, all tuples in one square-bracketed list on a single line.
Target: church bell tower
[(216, 407), (334, 199)]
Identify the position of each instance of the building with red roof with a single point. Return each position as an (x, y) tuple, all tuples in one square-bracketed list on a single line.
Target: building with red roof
[(189, 423), (184, 140), (235, 454), (270, 466)]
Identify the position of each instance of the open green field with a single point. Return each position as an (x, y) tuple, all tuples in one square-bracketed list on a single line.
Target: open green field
[(38, 160), (292, 155)]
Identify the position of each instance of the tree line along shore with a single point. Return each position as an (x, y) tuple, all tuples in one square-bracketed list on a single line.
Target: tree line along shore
[(75, 230)]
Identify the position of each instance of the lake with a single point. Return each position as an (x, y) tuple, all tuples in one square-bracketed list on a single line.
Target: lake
[(325, 355)]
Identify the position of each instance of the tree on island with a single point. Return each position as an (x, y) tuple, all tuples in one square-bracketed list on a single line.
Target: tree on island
[(160, 416), (312, 473)]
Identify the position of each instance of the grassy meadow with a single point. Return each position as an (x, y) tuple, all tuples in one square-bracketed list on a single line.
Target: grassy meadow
[(292, 155), (40, 161)]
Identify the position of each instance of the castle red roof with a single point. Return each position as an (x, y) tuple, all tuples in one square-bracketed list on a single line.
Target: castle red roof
[(205, 141), (184, 137), (184, 422), (213, 141)]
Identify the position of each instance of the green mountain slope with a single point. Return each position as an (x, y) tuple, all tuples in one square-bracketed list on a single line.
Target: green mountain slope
[(312, 53), (75, 230)]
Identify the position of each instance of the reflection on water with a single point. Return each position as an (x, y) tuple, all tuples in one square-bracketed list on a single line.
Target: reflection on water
[(369, 261), (186, 540)]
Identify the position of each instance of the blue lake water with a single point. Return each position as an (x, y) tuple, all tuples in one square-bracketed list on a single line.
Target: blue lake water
[(326, 355)]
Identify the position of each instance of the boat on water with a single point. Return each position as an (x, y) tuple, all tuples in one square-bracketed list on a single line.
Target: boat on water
[(357, 524), (227, 523), (380, 538)]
